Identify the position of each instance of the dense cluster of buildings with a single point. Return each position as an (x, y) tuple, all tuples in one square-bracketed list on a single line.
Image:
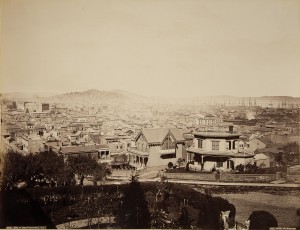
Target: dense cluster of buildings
[(210, 137)]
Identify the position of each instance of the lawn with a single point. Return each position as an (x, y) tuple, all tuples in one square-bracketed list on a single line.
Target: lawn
[(283, 207), (281, 202)]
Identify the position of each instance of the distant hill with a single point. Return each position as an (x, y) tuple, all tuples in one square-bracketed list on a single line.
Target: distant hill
[(96, 97), (115, 97)]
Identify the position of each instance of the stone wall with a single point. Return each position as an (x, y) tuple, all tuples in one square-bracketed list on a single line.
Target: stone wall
[(263, 178), (223, 177), (192, 176)]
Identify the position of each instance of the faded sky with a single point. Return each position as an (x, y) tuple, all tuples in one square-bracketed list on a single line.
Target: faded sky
[(152, 47)]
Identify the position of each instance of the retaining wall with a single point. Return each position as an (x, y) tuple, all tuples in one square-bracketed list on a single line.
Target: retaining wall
[(192, 176), (225, 177), (265, 178)]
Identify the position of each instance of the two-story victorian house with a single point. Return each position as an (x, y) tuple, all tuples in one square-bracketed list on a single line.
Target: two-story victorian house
[(217, 151), (156, 147)]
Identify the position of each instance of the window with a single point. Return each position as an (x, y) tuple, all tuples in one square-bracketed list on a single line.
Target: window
[(228, 145), (200, 143), (215, 145), (169, 143), (219, 164)]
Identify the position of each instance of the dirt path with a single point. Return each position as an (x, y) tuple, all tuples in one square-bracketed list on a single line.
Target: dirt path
[(283, 207)]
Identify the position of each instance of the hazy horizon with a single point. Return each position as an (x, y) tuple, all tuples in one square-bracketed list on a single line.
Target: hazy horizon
[(168, 48), (47, 94)]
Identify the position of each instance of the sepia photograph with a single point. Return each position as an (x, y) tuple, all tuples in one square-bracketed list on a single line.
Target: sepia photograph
[(150, 114)]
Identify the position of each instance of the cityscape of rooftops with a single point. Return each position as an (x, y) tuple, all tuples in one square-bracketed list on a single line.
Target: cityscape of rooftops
[(150, 114)]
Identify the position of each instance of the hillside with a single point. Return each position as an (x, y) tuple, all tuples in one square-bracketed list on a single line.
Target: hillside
[(116, 97)]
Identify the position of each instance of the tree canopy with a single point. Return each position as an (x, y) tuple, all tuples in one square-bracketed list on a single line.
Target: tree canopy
[(49, 167), (24, 168), (292, 152)]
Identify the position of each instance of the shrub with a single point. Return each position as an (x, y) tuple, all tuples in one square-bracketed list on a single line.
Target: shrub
[(240, 168), (170, 165), (187, 167), (262, 220)]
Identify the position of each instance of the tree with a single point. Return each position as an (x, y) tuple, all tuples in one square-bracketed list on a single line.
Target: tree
[(134, 212), (100, 172), (14, 168), (81, 165), (292, 152), (48, 165), (52, 166)]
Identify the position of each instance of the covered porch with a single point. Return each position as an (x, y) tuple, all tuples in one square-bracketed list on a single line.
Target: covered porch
[(138, 159), (210, 161)]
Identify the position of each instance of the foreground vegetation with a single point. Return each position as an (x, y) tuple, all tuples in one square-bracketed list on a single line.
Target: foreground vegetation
[(132, 205), (50, 169), (135, 205)]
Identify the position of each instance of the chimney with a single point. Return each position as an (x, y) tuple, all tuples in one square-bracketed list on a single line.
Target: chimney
[(230, 128)]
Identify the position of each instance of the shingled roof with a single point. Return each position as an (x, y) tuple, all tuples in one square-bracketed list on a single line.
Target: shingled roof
[(157, 135)]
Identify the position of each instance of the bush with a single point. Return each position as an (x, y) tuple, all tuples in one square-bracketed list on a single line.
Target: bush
[(240, 168), (170, 165), (262, 220), (187, 167)]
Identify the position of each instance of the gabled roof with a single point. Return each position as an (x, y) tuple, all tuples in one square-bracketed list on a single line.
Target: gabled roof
[(177, 134), (157, 135), (265, 140)]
